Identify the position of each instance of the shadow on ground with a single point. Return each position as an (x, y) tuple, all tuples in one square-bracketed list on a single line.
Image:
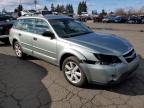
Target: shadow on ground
[(133, 86), (4, 45), (20, 84)]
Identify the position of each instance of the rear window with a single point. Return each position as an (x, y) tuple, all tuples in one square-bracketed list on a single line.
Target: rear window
[(25, 25)]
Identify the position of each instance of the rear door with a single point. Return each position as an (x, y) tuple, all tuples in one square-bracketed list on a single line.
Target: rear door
[(25, 31)]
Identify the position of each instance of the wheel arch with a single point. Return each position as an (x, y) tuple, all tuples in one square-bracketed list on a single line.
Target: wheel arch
[(65, 55), (13, 41)]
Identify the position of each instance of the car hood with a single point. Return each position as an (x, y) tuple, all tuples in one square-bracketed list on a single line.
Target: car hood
[(102, 43)]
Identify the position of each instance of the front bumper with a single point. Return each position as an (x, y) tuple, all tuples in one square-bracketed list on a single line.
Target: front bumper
[(104, 74)]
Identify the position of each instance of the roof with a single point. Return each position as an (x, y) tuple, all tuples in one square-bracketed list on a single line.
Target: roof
[(56, 17), (47, 17)]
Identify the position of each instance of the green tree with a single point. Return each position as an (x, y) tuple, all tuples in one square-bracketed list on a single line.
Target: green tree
[(15, 10), (20, 8), (94, 12), (52, 7), (82, 7), (103, 13), (58, 9), (45, 8), (79, 8), (69, 9), (62, 8), (4, 11)]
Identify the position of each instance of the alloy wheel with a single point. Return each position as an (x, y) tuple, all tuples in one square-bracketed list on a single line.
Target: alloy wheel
[(18, 50), (73, 72)]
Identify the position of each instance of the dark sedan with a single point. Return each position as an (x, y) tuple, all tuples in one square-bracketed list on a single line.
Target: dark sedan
[(6, 23), (120, 19), (108, 19), (134, 20)]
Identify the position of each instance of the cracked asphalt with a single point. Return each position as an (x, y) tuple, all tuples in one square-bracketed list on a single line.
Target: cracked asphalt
[(33, 83)]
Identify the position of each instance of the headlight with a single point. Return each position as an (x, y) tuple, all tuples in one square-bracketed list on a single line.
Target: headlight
[(107, 59)]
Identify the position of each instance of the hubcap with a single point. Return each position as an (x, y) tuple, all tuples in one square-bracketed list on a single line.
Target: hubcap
[(72, 72), (18, 50)]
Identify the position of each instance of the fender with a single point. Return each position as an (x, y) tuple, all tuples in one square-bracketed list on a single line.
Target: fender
[(74, 52)]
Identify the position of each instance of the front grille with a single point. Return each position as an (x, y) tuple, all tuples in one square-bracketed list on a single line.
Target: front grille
[(130, 56)]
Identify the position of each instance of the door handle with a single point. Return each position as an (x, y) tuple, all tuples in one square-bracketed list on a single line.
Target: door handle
[(35, 38), (19, 34)]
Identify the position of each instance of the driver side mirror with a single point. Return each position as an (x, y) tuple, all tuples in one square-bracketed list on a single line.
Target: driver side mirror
[(49, 34)]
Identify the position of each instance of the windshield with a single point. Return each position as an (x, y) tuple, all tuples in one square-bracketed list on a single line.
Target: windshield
[(66, 28)]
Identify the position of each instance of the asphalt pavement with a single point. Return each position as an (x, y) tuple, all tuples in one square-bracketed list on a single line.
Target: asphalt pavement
[(33, 83)]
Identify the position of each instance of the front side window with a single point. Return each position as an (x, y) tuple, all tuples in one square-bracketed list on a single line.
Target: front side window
[(41, 26), (66, 28)]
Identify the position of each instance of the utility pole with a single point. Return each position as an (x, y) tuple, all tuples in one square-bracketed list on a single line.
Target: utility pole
[(35, 2), (20, 2)]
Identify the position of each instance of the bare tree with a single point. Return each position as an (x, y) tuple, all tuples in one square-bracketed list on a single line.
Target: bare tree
[(120, 12), (141, 11), (131, 11)]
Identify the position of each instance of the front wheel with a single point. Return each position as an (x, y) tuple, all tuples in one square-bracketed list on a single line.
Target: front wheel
[(18, 50), (73, 72)]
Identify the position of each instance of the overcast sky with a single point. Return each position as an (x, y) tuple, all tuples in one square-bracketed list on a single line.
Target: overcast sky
[(109, 5)]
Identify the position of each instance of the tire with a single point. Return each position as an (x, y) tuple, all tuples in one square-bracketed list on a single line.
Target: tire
[(18, 50), (73, 72)]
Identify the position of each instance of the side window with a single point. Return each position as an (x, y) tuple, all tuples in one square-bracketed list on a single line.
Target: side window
[(18, 24), (41, 26), (29, 25), (25, 25)]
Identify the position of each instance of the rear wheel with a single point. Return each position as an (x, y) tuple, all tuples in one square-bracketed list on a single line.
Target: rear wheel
[(73, 72), (18, 50)]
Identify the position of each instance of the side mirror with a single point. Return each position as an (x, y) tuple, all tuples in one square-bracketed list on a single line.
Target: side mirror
[(49, 34)]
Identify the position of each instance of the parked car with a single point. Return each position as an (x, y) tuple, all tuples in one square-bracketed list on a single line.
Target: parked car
[(120, 19), (83, 55), (82, 18), (108, 19), (6, 23), (134, 20), (142, 19), (97, 18)]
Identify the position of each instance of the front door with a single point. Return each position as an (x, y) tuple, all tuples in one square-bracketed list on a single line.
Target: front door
[(44, 47)]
